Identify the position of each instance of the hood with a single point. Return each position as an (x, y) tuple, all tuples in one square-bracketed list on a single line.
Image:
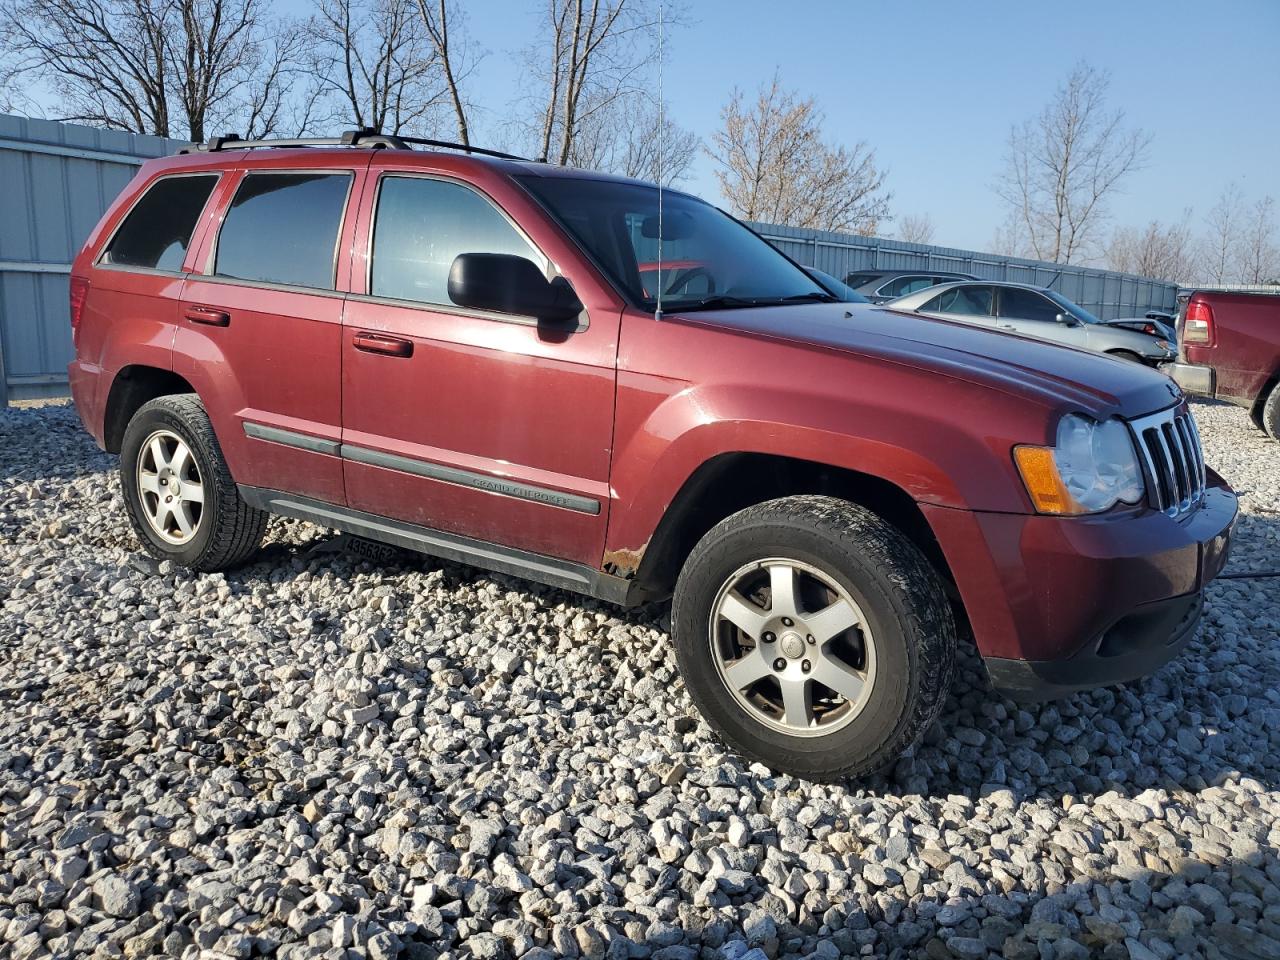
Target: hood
[(1057, 376), (1163, 330)]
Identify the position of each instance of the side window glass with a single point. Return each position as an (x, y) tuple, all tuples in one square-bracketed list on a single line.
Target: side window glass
[(283, 228), (972, 301), (904, 285), (421, 225), (1016, 304), (158, 229)]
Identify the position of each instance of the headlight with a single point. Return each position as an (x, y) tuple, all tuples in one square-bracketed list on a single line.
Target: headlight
[(1092, 467)]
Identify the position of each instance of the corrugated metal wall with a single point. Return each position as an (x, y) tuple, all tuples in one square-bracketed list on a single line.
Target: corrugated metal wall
[(1102, 292), (56, 179)]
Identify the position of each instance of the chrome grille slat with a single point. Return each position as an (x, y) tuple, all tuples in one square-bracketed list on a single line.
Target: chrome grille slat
[(1172, 459), (1196, 487)]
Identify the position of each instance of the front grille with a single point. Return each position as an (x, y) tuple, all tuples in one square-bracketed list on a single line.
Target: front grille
[(1169, 445)]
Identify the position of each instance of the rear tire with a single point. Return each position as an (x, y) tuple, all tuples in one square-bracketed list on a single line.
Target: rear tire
[(1270, 414), (892, 662), (1126, 355), (179, 494)]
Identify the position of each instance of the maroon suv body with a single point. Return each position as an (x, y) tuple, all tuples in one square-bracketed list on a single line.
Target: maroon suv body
[(1229, 348), (457, 354)]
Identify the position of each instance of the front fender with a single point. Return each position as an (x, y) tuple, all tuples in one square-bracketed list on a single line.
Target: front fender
[(949, 447)]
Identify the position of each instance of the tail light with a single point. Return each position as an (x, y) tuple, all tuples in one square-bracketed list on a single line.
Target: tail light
[(1197, 325), (1149, 328), (79, 291)]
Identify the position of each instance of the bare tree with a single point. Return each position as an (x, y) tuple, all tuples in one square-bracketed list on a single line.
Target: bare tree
[(1161, 251), (773, 165), (634, 138), (591, 54), (1222, 226), (916, 228), (375, 64), (225, 69), (450, 56), (163, 67), (1063, 166), (1258, 249)]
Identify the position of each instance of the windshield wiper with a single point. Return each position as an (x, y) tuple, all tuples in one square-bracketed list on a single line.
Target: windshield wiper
[(719, 302), (815, 296), (726, 301)]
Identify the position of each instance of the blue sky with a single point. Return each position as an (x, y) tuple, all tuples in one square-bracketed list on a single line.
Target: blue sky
[(934, 85)]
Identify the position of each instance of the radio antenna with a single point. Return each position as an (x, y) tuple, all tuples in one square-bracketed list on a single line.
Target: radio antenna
[(662, 117)]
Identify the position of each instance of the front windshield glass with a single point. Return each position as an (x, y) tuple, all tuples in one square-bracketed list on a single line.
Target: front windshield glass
[(1077, 311), (709, 260)]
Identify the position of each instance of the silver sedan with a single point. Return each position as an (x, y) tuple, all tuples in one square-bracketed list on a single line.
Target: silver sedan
[(1033, 312)]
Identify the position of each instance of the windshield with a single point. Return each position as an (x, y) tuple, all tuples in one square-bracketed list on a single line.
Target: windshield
[(1077, 311), (709, 260)]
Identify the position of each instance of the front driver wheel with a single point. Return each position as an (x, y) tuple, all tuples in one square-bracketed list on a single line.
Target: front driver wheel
[(178, 492), (813, 636)]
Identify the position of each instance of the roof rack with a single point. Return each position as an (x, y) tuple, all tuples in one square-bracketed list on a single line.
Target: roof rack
[(364, 137)]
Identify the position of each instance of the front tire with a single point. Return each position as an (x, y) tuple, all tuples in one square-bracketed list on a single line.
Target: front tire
[(813, 636), (178, 492)]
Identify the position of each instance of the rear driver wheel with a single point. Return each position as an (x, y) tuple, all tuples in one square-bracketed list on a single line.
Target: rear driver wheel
[(178, 492), (813, 636), (1271, 413)]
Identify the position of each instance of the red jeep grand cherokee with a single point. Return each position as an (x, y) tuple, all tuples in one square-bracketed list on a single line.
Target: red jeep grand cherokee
[(457, 354)]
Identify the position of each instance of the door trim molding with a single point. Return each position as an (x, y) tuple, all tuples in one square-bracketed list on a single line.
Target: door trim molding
[(425, 468), (468, 478), (552, 571), (291, 438)]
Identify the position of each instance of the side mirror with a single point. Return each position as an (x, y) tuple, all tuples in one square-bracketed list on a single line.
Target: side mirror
[(1067, 320), (505, 283)]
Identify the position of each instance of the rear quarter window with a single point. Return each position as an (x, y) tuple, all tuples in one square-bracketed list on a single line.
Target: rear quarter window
[(157, 231), (283, 228)]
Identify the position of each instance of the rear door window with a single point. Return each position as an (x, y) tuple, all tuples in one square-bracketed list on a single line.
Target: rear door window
[(904, 285), (156, 233), (422, 224), (283, 228), (969, 301)]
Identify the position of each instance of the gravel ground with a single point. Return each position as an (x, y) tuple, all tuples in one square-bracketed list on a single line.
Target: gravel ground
[(315, 756)]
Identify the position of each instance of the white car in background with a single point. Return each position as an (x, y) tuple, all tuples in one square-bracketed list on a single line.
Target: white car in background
[(1034, 312)]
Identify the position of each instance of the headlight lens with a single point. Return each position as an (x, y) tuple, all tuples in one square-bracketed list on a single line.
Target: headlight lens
[(1092, 467)]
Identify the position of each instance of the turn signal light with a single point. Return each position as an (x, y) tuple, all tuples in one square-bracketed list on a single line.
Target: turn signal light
[(1043, 482)]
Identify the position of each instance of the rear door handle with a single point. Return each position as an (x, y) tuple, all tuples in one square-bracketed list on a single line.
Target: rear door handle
[(214, 318), (381, 343)]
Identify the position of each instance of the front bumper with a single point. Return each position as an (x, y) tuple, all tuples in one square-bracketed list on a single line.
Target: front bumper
[(1136, 645), (1063, 603), (1193, 378)]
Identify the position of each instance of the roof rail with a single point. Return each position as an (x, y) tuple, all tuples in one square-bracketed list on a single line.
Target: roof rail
[(363, 137)]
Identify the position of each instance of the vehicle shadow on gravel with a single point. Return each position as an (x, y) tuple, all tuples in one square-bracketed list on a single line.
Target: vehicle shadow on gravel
[(1171, 731)]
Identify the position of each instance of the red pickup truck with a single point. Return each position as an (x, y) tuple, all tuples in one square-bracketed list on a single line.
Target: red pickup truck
[(1229, 348), (464, 355)]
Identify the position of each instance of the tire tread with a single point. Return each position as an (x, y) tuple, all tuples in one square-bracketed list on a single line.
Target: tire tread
[(854, 528)]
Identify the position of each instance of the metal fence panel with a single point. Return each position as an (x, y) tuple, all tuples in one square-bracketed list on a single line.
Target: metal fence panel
[(56, 179), (1103, 292)]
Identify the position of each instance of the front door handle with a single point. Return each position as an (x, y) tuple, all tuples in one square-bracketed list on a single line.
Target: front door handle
[(381, 343), (208, 315)]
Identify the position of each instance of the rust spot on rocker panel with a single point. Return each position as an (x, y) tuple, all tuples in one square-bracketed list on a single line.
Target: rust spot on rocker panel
[(624, 563)]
